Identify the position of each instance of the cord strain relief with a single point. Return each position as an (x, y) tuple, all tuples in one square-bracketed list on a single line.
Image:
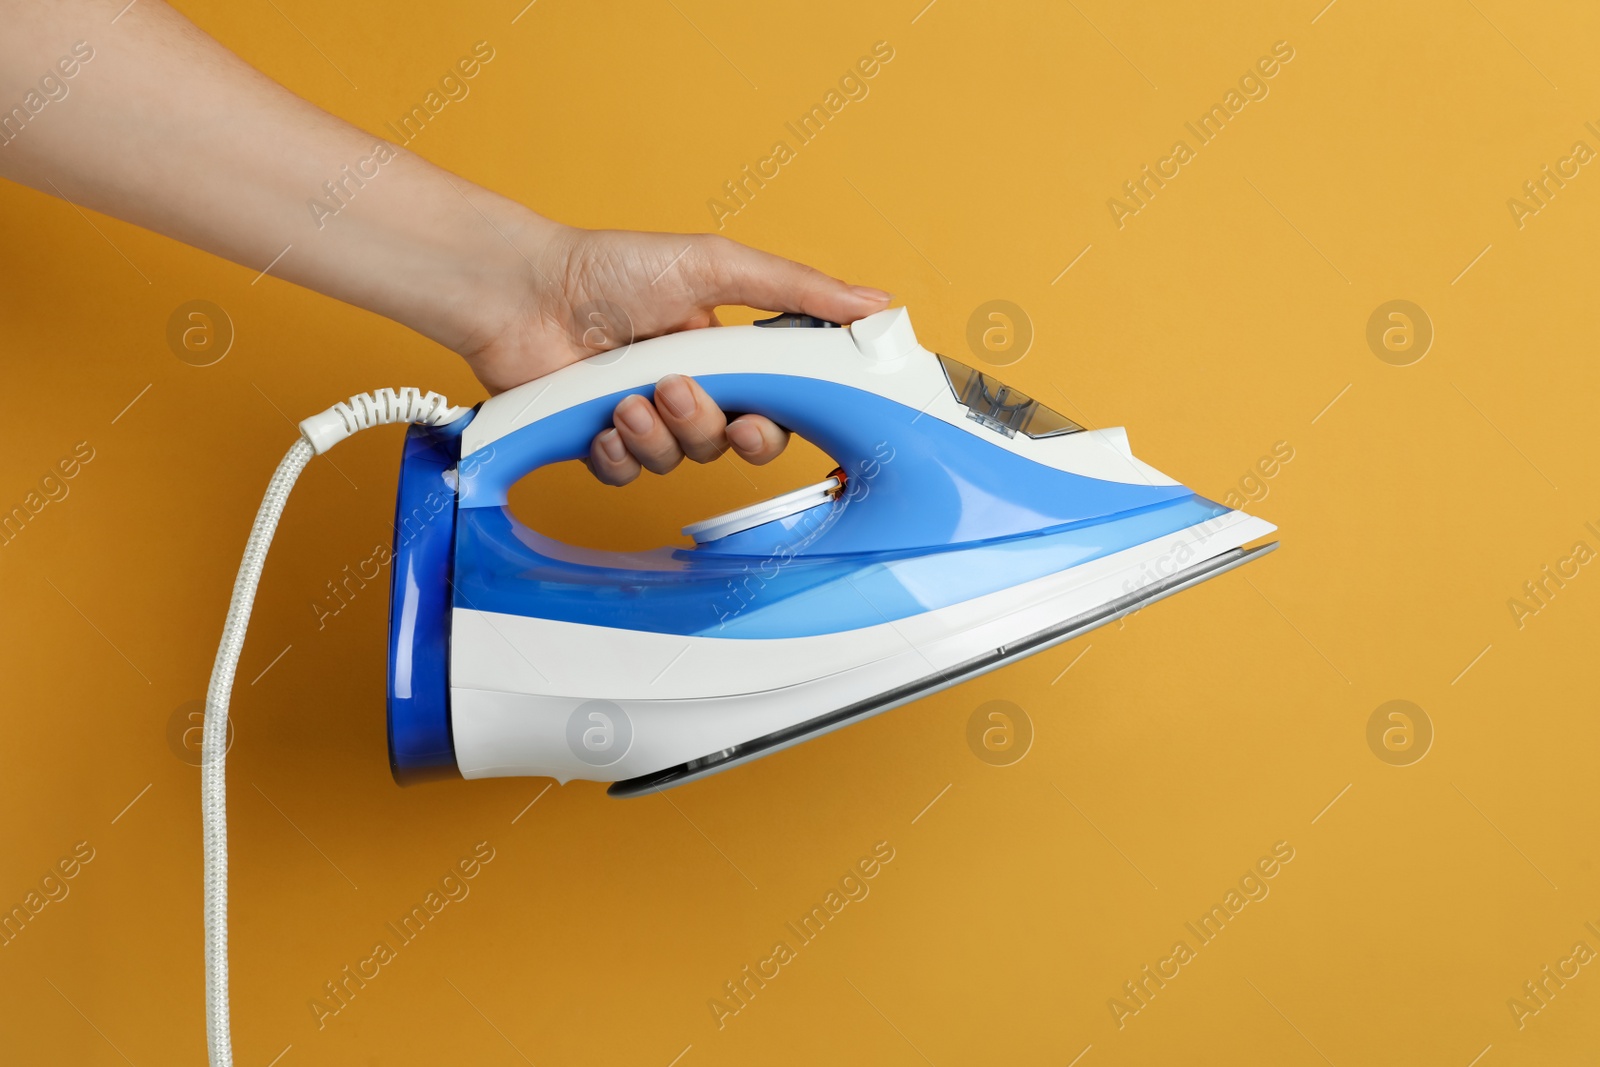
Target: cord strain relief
[(380, 407)]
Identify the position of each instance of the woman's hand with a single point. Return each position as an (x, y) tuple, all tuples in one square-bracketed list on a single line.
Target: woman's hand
[(229, 161), (593, 290)]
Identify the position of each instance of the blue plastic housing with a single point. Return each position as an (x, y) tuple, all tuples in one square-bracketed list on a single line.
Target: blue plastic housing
[(504, 567), (932, 515), (420, 742)]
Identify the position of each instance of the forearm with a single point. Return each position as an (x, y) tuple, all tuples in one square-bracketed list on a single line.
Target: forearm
[(160, 125)]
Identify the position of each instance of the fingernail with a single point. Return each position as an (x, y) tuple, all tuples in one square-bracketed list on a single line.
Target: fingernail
[(635, 415), (675, 392), (745, 437), (866, 292), (611, 445)]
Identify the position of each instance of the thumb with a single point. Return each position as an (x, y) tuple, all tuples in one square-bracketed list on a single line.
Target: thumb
[(743, 275)]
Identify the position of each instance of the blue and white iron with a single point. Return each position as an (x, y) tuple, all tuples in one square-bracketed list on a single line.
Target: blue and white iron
[(966, 525)]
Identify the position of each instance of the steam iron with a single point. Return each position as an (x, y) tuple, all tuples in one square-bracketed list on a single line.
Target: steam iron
[(965, 526)]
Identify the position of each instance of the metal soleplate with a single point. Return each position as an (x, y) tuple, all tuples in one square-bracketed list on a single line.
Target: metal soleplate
[(933, 683)]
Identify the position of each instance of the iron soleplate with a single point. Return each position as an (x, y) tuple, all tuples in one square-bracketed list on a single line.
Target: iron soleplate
[(1038, 642)]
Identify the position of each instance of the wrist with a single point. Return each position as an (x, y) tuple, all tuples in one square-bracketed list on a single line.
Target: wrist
[(492, 261)]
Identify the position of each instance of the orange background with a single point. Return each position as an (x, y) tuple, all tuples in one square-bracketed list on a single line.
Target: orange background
[(1223, 318)]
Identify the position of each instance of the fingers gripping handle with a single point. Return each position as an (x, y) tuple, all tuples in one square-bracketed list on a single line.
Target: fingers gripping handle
[(834, 387)]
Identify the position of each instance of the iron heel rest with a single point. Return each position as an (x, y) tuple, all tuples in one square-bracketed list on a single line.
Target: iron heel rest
[(420, 746)]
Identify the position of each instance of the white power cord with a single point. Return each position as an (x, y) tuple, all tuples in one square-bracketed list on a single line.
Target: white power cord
[(318, 434)]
